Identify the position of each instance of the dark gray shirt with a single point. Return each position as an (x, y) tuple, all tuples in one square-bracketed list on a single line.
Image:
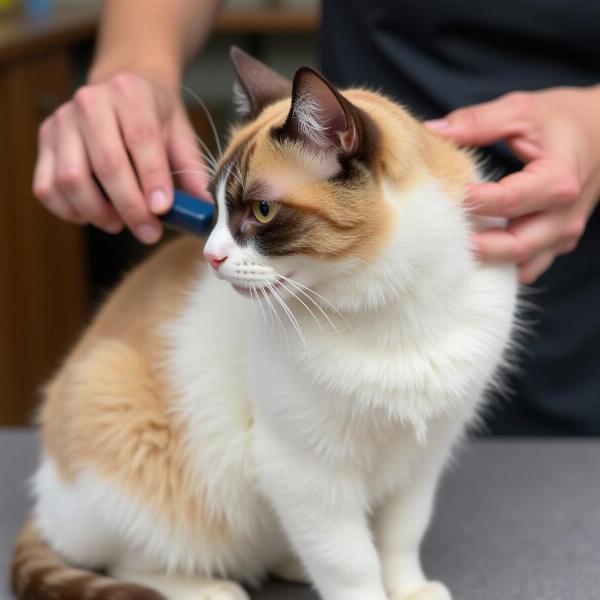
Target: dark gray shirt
[(438, 55)]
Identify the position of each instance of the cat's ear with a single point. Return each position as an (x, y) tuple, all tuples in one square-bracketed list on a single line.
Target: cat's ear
[(320, 116), (256, 85)]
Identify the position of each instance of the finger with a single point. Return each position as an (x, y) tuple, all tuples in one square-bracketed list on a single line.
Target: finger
[(523, 238), (566, 228), (496, 245), (74, 180), (43, 179), (486, 123), (111, 165), (541, 185), (530, 270), (186, 160), (137, 116)]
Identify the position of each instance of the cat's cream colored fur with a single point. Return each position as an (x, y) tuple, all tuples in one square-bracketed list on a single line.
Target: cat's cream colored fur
[(196, 438)]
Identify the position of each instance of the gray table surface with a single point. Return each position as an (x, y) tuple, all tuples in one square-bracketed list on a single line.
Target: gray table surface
[(515, 520)]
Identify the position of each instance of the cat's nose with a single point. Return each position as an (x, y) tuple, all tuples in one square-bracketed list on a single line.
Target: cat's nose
[(215, 260)]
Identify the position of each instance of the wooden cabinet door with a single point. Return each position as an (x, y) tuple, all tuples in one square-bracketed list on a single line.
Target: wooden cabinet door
[(42, 282)]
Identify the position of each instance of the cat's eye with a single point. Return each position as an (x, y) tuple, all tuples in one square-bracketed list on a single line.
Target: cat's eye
[(264, 211)]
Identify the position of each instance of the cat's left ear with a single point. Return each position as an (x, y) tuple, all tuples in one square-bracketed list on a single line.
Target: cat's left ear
[(320, 116), (256, 85)]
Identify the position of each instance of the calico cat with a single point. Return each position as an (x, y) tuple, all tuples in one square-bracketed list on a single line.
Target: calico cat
[(289, 407)]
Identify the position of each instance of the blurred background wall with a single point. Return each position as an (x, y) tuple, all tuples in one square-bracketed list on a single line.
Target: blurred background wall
[(52, 274)]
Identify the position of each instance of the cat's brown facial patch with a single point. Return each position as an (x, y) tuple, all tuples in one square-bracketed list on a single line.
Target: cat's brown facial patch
[(329, 200), (326, 211), (323, 156)]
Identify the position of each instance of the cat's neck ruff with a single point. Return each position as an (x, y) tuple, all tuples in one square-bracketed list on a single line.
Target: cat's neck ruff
[(427, 253), (420, 327), (410, 318), (421, 274)]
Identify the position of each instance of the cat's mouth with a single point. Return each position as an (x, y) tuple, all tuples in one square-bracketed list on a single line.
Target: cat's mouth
[(258, 289)]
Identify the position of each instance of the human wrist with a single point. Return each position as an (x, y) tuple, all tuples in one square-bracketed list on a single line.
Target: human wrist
[(166, 75)]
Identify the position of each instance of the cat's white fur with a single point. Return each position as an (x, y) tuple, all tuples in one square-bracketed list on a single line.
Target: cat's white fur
[(351, 428)]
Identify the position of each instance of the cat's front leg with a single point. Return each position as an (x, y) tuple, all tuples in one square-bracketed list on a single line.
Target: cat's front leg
[(322, 514), (400, 525)]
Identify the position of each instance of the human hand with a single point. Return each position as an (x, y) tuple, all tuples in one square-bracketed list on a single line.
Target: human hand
[(123, 137), (556, 133)]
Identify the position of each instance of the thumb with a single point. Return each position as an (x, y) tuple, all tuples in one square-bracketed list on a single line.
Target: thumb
[(187, 162), (481, 124)]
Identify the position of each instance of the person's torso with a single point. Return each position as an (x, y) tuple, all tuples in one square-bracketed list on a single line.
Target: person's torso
[(440, 55)]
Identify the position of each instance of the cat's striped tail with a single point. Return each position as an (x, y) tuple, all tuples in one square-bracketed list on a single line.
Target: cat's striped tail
[(40, 573)]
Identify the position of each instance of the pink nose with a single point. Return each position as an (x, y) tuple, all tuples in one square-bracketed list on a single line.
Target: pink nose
[(215, 260)]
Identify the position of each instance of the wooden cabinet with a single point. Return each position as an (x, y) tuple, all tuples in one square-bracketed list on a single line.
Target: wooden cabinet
[(42, 276), (43, 279)]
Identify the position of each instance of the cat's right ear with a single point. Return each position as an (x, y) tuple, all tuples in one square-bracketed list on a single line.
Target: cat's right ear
[(256, 85), (322, 118)]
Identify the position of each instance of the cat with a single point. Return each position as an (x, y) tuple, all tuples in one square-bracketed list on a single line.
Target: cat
[(288, 407)]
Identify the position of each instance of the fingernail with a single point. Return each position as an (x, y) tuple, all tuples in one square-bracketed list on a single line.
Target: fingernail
[(475, 249), (113, 227), (438, 124), (159, 202), (148, 233)]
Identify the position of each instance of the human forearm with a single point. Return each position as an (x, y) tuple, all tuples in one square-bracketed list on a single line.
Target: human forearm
[(152, 37)]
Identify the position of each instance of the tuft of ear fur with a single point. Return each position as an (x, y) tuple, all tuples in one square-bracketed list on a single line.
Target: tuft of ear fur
[(320, 116), (257, 85)]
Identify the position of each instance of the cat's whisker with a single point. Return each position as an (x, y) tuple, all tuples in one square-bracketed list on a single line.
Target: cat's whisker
[(203, 165), (205, 152), (300, 287), (231, 172), (288, 312), (297, 283), (208, 116), (257, 298), (182, 171), (236, 173), (208, 153), (274, 311), (303, 304), (240, 177), (254, 295), (280, 302), (323, 312)]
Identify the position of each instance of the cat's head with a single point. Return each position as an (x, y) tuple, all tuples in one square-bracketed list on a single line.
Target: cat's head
[(299, 189)]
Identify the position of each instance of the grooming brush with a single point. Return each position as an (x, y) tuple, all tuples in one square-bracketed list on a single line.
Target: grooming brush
[(190, 214)]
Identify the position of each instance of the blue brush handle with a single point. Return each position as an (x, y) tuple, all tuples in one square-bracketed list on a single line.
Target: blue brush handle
[(190, 214)]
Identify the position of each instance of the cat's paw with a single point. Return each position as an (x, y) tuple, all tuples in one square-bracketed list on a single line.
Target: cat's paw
[(223, 590), (433, 590)]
